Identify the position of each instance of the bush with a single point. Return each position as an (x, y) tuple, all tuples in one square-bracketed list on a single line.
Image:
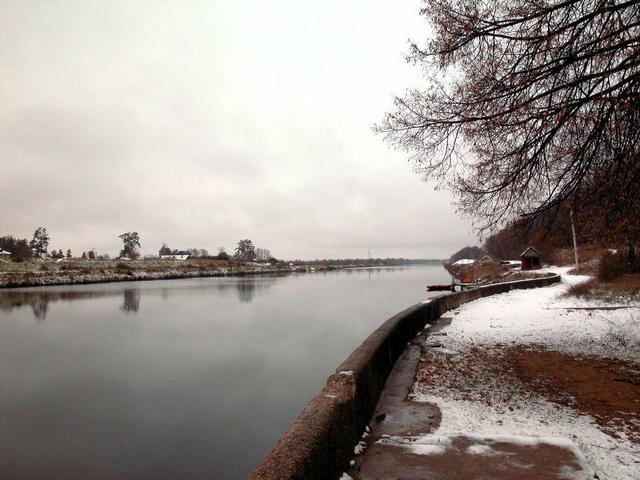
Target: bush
[(614, 265), (121, 266), (583, 288)]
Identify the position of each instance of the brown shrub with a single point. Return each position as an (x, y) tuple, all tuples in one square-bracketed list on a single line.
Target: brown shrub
[(566, 256), (587, 268), (629, 282), (612, 265), (583, 289)]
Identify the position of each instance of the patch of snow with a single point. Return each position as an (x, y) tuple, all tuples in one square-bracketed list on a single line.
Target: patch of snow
[(613, 458), (479, 449), (526, 317), (464, 261), (348, 373), (360, 447), (422, 449), (446, 351), (544, 316), (345, 476), (428, 445)]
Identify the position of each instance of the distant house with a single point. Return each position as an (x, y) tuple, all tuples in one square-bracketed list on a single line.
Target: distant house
[(4, 255), (511, 263), (531, 259)]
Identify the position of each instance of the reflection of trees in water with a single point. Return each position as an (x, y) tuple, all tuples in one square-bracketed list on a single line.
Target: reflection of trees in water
[(40, 310), (131, 302), (248, 287), (39, 300)]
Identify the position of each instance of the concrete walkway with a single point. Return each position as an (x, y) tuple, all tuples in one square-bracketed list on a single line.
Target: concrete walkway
[(403, 444)]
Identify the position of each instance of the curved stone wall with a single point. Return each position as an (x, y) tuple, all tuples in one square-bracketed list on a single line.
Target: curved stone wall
[(320, 442)]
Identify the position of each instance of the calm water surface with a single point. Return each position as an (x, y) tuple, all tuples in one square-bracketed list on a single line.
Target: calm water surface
[(177, 379)]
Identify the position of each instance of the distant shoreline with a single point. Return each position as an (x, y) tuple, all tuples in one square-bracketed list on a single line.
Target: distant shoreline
[(90, 272)]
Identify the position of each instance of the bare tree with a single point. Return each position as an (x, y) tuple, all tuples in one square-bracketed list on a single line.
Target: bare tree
[(527, 104), (263, 254)]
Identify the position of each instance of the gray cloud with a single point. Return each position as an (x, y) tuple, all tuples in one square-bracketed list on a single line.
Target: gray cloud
[(199, 123)]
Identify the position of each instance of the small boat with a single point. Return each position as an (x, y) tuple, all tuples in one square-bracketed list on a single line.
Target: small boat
[(437, 288)]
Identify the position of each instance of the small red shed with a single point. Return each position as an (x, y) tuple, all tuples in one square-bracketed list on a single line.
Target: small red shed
[(531, 259)]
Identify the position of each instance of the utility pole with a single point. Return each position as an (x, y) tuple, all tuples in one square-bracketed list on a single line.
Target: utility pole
[(575, 244)]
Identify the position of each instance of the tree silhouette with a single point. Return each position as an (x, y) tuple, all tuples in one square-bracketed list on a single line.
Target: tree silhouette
[(245, 250), (526, 105), (40, 241), (131, 243)]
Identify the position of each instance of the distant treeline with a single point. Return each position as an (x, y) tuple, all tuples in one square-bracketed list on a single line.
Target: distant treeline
[(366, 261)]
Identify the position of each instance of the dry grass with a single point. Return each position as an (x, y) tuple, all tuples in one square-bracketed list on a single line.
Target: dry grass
[(625, 288), (587, 268), (79, 265), (586, 255), (583, 289)]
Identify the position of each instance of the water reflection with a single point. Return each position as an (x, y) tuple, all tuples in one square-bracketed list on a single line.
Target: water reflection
[(131, 300), (40, 310), (39, 300), (246, 287)]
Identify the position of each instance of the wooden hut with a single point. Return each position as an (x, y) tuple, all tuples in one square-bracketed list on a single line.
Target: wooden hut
[(531, 259)]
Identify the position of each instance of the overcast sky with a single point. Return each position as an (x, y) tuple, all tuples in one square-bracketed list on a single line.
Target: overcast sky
[(198, 123)]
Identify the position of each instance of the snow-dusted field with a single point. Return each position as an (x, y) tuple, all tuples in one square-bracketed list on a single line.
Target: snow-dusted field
[(542, 317)]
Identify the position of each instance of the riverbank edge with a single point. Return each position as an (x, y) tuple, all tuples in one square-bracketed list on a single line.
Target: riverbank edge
[(136, 277), (132, 276), (319, 444)]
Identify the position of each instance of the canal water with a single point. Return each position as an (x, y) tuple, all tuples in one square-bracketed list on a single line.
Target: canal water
[(177, 379)]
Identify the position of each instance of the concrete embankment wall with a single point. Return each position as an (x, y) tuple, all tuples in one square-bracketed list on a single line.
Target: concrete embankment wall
[(320, 443)]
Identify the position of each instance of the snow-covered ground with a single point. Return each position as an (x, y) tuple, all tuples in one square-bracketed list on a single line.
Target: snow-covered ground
[(541, 317), (544, 316)]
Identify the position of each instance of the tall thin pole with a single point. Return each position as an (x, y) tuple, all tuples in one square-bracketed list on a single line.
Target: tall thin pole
[(575, 243)]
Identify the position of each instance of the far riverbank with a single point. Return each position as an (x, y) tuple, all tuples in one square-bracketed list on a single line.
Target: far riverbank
[(79, 272)]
